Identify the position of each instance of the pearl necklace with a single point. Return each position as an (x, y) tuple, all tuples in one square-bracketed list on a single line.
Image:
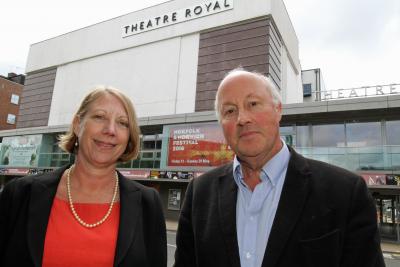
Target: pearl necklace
[(71, 204)]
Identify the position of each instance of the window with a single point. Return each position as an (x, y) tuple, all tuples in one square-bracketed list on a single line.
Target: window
[(393, 132), (307, 89), (303, 136), (328, 135), (14, 99), (363, 134), (11, 119), (288, 133), (149, 144)]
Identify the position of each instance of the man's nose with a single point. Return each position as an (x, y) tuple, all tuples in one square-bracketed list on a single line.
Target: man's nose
[(243, 117)]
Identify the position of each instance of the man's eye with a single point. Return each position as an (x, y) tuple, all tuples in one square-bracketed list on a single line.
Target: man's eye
[(253, 103), (229, 112)]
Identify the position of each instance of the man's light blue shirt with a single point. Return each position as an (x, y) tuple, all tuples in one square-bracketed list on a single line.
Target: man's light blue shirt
[(255, 211)]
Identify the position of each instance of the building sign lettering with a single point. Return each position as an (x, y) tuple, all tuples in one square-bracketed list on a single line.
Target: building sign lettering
[(366, 91), (185, 14)]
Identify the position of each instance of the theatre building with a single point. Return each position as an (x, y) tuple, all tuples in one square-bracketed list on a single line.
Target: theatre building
[(169, 59)]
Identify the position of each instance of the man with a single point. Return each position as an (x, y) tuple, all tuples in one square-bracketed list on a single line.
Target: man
[(271, 206)]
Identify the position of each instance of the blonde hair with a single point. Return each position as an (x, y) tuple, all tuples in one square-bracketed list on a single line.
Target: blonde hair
[(67, 141)]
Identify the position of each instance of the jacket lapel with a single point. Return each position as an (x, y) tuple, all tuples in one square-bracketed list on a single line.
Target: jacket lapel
[(293, 197), (227, 196), (43, 190), (130, 213)]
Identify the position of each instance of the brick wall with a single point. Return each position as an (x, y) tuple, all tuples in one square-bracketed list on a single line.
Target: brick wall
[(7, 88)]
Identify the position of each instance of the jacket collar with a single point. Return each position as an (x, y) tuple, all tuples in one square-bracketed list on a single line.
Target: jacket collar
[(227, 196), (290, 207), (130, 213), (43, 191)]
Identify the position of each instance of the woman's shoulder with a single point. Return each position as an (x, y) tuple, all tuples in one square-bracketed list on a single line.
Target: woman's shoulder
[(132, 185), (22, 185)]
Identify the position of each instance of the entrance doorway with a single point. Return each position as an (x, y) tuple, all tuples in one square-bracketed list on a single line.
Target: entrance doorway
[(388, 208)]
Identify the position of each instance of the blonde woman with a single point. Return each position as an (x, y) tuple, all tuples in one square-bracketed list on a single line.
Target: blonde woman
[(86, 214)]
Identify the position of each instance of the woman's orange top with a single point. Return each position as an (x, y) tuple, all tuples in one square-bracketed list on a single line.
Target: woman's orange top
[(68, 243)]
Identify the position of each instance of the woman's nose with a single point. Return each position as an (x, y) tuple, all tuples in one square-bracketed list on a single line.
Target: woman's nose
[(109, 127)]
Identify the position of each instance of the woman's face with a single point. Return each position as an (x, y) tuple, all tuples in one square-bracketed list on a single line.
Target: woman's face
[(103, 132)]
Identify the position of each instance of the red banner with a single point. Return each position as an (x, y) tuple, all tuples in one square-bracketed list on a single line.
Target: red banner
[(374, 179), (197, 145)]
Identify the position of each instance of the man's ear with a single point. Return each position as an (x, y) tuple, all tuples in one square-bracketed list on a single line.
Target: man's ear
[(278, 109)]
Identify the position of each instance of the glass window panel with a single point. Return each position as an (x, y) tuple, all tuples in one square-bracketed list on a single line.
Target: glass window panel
[(146, 164), (149, 144), (136, 163), (338, 160), (158, 144), (286, 130), (363, 134), (395, 161), (371, 161), (14, 99), (147, 155), (157, 164), (288, 134), (307, 89), (11, 119), (393, 132), (303, 136), (124, 164), (330, 135)]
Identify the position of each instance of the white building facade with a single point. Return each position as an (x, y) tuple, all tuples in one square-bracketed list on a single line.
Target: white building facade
[(168, 58)]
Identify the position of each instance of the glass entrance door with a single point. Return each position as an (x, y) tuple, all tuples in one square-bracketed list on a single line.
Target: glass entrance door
[(388, 217)]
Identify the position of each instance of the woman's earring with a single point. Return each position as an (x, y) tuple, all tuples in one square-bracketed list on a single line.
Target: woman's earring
[(76, 143)]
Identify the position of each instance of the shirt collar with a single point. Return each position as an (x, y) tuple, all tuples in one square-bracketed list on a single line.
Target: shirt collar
[(272, 170)]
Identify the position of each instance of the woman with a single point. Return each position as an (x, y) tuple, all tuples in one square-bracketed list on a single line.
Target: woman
[(86, 214)]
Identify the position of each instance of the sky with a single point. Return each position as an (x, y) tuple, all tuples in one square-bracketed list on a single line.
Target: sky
[(355, 43)]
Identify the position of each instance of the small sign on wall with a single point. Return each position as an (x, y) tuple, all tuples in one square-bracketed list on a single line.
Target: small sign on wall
[(174, 199)]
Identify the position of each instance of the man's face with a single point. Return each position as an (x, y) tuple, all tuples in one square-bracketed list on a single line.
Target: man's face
[(248, 116)]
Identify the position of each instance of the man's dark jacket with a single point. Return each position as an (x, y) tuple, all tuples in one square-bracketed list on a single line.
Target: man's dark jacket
[(25, 206), (326, 217)]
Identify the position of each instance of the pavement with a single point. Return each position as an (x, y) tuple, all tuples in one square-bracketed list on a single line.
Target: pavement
[(389, 249), (171, 225)]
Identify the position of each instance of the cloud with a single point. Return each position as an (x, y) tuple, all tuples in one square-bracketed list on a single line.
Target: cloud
[(354, 42)]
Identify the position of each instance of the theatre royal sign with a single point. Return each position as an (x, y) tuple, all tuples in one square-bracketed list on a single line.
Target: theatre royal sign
[(161, 20)]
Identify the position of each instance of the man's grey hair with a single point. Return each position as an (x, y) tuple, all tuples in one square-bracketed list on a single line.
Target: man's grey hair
[(269, 86)]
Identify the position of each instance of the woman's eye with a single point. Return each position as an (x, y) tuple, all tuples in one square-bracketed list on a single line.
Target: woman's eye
[(98, 117), (124, 124)]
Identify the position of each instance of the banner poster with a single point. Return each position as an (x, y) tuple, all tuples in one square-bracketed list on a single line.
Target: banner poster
[(374, 179), (197, 145), (21, 151)]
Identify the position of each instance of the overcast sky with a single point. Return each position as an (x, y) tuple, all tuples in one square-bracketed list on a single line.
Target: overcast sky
[(354, 42)]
